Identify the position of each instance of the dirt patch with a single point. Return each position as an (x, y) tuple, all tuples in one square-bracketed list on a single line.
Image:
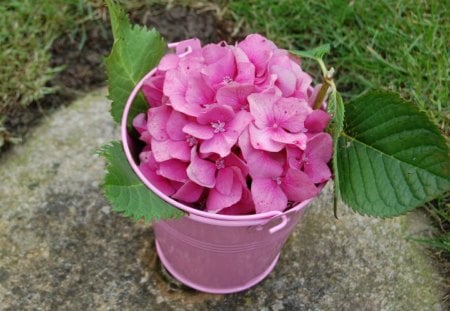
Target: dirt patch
[(81, 57)]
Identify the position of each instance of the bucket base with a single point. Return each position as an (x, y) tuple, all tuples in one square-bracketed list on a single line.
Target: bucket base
[(211, 290)]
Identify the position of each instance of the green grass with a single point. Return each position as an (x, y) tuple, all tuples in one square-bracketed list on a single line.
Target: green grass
[(439, 210), (398, 45), (27, 30)]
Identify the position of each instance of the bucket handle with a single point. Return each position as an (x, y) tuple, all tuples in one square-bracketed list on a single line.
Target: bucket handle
[(281, 225), (284, 220)]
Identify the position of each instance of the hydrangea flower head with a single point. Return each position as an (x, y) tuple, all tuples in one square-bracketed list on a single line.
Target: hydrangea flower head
[(230, 128)]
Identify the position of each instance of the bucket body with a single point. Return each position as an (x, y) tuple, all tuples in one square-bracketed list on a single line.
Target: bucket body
[(222, 257)]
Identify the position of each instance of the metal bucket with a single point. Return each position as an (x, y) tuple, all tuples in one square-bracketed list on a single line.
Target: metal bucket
[(220, 256), (211, 252)]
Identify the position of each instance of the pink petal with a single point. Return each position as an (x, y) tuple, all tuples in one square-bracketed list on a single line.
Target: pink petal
[(294, 157), (244, 206), (217, 201), (240, 122), (175, 88), (170, 149), (295, 65), (260, 164), (221, 70), (198, 95), (153, 89), (146, 157), (199, 131), (169, 61), (234, 161), (146, 137), (156, 122), (303, 84), (245, 69), (309, 93), (290, 114), (245, 73), (255, 158), (264, 165), (239, 55), (261, 108), (158, 181), (280, 58), (318, 171), (219, 144), (228, 190), (318, 153), (224, 180), (160, 150), (175, 124), (268, 195), (244, 144), (190, 192), (219, 74), (140, 123), (286, 80), (192, 63), (297, 186), (234, 95), (214, 52), (261, 139), (215, 113), (266, 84), (200, 171), (259, 50), (320, 146), (317, 120), (173, 170), (283, 137)]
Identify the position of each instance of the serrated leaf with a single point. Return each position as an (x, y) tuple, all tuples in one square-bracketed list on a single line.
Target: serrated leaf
[(135, 52), (127, 194), (391, 158), (315, 53)]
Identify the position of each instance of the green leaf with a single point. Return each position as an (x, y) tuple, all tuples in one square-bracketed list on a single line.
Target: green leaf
[(127, 194), (316, 53), (135, 52), (391, 158), (119, 20)]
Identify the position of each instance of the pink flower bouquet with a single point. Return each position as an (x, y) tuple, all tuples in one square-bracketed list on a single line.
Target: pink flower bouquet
[(230, 128)]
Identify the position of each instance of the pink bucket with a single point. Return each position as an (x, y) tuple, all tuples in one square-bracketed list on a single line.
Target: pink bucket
[(210, 252)]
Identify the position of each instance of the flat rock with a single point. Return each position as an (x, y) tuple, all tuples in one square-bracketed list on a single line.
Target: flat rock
[(62, 248)]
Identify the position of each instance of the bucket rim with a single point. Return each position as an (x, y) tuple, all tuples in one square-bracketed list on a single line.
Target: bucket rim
[(189, 210)]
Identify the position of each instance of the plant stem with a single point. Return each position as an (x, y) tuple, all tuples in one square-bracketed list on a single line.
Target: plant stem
[(321, 95), (327, 82)]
